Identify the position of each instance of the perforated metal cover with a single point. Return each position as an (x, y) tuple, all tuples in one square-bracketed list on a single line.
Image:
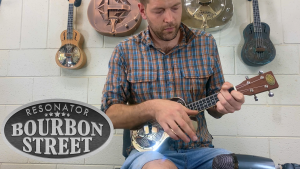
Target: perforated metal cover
[(224, 161)]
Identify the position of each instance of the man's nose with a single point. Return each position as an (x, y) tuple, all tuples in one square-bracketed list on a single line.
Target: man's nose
[(168, 16)]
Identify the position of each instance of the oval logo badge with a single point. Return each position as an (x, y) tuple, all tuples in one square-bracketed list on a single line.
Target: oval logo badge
[(57, 130)]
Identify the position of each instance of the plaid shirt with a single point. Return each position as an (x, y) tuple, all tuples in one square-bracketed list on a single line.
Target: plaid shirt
[(140, 71)]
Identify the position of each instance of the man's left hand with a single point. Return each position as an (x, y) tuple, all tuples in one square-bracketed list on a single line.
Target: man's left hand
[(229, 102)]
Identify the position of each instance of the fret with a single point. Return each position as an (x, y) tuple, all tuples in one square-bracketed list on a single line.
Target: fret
[(256, 17), (70, 22), (204, 103)]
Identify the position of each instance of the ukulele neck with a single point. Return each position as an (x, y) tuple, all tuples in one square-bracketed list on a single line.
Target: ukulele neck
[(256, 17), (70, 22)]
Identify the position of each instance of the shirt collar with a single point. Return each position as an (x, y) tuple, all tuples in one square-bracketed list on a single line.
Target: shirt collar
[(188, 36)]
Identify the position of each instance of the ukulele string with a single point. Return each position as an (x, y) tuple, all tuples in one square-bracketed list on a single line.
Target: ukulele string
[(241, 86), (254, 25), (70, 26), (260, 34), (257, 31), (252, 88)]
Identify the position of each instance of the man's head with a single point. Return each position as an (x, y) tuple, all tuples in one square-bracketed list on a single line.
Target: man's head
[(163, 16), (144, 2)]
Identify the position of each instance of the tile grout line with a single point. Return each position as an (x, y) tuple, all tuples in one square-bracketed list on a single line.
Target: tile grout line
[(48, 25), (21, 25)]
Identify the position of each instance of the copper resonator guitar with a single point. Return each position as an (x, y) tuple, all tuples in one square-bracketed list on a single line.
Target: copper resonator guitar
[(114, 17)]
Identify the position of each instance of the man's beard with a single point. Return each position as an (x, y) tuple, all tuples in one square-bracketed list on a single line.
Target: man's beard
[(165, 36)]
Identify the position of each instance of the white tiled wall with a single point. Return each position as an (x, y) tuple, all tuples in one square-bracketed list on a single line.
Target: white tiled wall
[(34, 24), (289, 18), (11, 22), (30, 37)]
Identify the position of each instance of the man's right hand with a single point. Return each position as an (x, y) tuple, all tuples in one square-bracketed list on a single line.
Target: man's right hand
[(173, 118)]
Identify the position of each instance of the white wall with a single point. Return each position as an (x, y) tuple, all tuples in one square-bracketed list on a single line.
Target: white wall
[(29, 39)]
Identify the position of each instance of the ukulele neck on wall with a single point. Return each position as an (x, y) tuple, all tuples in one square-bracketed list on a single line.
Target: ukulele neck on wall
[(70, 55), (258, 49)]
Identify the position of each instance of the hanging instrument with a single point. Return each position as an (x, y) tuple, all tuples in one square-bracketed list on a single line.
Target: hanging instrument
[(114, 17), (208, 15), (70, 55), (258, 49)]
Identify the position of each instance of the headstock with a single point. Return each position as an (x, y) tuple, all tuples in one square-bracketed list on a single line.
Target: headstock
[(258, 84), (71, 1)]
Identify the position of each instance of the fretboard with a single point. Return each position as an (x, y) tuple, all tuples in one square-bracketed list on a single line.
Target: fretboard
[(205, 103), (70, 22), (256, 17)]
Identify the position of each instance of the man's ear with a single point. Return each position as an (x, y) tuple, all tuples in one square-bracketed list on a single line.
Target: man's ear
[(142, 10)]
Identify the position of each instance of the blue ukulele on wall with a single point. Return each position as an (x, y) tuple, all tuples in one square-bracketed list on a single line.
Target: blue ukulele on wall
[(258, 49)]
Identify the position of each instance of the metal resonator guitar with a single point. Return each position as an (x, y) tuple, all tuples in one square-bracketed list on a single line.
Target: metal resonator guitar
[(209, 15), (114, 17), (152, 135), (70, 55), (258, 49)]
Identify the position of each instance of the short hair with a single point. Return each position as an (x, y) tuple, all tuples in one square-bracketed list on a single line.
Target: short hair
[(144, 2)]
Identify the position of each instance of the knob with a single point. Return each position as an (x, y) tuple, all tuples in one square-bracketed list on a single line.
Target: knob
[(271, 94), (247, 77), (255, 98), (261, 72)]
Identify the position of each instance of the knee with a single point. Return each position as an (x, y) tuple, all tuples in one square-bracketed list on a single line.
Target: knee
[(160, 164), (222, 151)]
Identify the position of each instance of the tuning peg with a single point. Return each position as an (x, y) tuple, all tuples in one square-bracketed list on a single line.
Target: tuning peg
[(247, 77), (255, 98), (271, 94), (260, 72)]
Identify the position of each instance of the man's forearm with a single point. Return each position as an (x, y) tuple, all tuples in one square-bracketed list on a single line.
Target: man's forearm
[(129, 116)]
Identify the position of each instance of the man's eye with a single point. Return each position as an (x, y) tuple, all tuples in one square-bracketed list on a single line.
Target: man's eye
[(175, 9), (158, 12)]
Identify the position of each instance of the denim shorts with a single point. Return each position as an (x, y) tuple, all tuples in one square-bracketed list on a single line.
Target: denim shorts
[(201, 157)]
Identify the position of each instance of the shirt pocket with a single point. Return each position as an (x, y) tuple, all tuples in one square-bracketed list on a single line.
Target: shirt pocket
[(195, 81), (142, 84)]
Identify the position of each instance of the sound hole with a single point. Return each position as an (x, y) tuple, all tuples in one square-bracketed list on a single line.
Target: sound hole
[(258, 57), (69, 55)]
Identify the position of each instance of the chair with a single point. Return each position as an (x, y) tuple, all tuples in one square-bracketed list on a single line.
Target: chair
[(126, 141)]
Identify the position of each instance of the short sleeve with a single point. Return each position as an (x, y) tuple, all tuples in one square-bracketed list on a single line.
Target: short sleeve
[(217, 78), (116, 88)]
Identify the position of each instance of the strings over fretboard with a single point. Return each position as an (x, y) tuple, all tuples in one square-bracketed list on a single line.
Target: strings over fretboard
[(70, 22), (256, 17), (205, 103)]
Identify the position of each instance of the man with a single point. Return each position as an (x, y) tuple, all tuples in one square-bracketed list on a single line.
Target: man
[(167, 60)]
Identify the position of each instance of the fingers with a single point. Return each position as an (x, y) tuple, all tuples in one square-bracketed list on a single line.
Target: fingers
[(170, 131), (180, 127), (174, 119), (229, 102), (239, 97), (190, 112), (187, 126), (227, 86), (188, 120), (179, 132)]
